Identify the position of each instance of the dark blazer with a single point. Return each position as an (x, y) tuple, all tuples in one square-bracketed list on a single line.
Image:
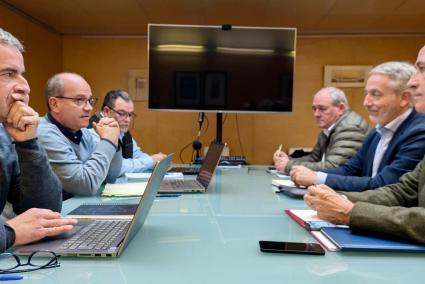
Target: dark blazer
[(405, 150)]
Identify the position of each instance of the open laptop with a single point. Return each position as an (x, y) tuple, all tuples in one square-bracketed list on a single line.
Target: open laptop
[(189, 170), (206, 172), (192, 170), (87, 237)]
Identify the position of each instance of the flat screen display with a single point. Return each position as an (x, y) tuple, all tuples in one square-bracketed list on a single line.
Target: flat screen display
[(221, 68)]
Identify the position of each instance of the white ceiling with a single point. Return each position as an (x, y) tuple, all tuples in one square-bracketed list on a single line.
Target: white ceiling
[(310, 17)]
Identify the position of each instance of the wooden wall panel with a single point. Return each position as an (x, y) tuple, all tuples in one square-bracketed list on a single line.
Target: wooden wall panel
[(104, 62), (43, 53)]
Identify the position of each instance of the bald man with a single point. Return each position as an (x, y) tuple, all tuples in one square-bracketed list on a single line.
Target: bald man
[(80, 163)]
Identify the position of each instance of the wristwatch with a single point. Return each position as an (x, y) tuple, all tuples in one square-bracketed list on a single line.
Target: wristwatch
[(10, 235)]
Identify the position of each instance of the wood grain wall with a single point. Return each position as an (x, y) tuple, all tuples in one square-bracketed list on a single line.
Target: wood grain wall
[(105, 62)]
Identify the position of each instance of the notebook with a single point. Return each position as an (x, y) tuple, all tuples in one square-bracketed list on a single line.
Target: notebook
[(347, 240), (206, 172), (103, 237), (124, 189), (131, 177), (308, 219)]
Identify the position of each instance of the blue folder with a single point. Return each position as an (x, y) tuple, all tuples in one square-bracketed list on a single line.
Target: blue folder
[(346, 240)]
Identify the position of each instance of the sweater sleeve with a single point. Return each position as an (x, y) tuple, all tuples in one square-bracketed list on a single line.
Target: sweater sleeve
[(38, 185), (79, 177)]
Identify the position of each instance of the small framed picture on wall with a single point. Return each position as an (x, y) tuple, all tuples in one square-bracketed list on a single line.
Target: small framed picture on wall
[(346, 75)]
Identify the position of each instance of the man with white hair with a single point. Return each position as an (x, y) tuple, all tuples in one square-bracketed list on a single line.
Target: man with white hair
[(393, 148), (343, 132), (396, 210)]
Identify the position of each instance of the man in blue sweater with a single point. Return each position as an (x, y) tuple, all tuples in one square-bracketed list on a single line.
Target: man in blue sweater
[(26, 179), (393, 148), (80, 163)]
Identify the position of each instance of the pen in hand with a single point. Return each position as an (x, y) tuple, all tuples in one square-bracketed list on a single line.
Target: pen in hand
[(278, 151)]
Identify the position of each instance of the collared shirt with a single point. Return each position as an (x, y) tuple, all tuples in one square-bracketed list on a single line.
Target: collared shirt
[(391, 128), (387, 133), (74, 137), (327, 132)]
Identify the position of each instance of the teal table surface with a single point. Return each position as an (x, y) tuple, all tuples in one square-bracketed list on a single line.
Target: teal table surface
[(213, 238)]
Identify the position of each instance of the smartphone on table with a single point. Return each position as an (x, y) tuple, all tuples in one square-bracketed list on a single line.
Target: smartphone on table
[(289, 247)]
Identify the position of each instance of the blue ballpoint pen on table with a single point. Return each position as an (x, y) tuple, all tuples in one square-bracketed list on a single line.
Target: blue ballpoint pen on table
[(10, 277), (167, 195)]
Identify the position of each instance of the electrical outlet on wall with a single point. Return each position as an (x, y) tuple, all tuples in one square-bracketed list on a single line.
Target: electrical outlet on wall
[(137, 84)]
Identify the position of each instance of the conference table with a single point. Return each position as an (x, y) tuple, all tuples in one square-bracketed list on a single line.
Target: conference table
[(213, 237)]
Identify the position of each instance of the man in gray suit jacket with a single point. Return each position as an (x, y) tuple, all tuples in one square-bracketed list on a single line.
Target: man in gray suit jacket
[(396, 210)]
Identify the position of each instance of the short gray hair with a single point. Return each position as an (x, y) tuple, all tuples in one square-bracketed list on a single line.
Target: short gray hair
[(55, 86), (399, 73), (8, 39), (337, 96)]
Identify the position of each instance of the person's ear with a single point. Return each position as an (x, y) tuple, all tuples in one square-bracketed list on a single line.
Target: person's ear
[(53, 104), (106, 111), (406, 99), (341, 109)]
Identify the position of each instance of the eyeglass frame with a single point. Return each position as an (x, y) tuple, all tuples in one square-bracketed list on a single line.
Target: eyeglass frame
[(79, 101), (124, 114), (54, 262)]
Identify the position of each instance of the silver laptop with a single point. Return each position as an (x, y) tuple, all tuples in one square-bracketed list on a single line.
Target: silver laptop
[(206, 172), (103, 237)]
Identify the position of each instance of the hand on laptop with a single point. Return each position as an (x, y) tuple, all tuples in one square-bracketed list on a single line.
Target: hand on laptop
[(35, 224)]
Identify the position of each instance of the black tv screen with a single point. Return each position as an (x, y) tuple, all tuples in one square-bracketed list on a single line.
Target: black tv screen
[(220, 68)]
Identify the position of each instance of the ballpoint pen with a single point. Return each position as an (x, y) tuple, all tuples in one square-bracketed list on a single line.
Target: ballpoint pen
[(167, 195), (10, 277)]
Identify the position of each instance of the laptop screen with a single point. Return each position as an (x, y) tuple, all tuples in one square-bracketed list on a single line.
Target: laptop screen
[(210, 163), (147, 198)]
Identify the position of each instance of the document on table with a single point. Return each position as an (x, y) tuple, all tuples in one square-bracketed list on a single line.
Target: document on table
[(146, 176), (124, 189)]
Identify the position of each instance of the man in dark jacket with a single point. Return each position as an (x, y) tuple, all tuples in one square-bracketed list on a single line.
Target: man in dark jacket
[(392, 149), (395, 210), (26, 179)]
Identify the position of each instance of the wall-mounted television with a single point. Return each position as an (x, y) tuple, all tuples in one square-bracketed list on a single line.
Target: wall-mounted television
[(221, 68)]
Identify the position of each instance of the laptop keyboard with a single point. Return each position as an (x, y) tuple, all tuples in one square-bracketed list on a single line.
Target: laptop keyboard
[(98, 235), (184, 184), (185, 170)]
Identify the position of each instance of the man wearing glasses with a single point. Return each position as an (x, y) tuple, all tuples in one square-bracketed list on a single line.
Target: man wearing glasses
[(26, 178), (396, 210), (118, 105), (80, 163)]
